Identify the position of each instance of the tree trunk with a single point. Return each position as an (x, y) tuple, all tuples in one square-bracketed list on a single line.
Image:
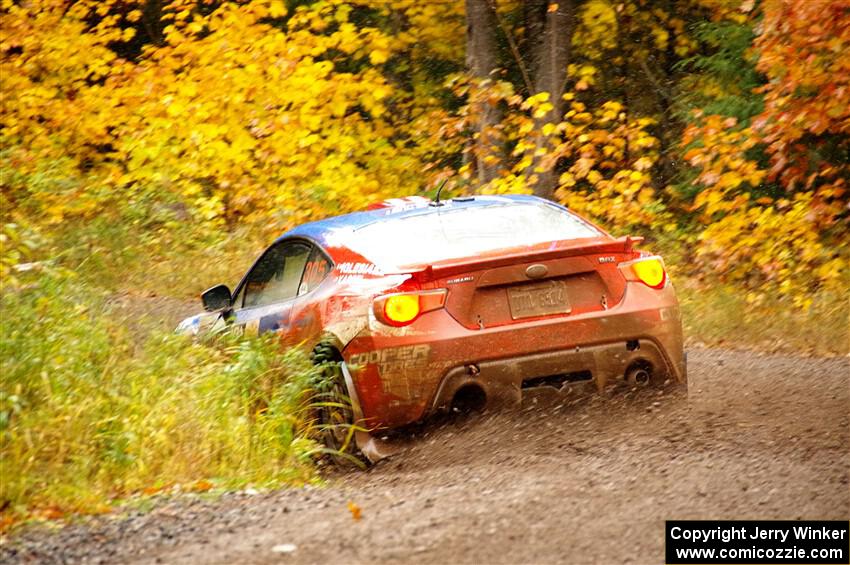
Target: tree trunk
[(550, 26), (482, 58)]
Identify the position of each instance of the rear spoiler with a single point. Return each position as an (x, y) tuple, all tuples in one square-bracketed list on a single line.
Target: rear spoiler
[(431, 272)]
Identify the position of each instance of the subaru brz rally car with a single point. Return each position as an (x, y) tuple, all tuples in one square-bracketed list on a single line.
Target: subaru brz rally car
[(423, 306)]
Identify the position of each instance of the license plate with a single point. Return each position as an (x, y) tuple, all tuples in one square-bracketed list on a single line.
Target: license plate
[(540, 299)]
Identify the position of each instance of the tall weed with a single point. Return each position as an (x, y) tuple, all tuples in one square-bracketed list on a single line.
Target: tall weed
[(90, 410)]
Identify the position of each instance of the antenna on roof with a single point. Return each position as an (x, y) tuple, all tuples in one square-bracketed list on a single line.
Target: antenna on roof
[(436, 201)]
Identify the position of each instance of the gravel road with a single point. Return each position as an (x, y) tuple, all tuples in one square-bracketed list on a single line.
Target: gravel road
[(585, 478)]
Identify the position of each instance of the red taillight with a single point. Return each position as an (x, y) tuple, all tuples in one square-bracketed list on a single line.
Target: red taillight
[(404, 308), (648, 270)]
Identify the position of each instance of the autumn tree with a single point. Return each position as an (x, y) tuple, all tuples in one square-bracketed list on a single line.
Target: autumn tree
[(769, 160), (540, 54), (805, 124), (242, 111)]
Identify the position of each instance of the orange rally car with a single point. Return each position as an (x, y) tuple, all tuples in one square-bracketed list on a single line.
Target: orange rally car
[(419, 306)]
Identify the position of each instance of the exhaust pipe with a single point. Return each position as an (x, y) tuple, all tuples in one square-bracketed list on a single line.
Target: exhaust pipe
[(638, 375)]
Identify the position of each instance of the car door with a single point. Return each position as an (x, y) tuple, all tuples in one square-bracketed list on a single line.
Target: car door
[(264, 300)]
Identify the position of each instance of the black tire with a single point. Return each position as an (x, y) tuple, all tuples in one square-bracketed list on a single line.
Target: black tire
[(333, 412)]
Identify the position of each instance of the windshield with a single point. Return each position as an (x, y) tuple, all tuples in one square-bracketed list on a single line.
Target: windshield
[(463, 232)]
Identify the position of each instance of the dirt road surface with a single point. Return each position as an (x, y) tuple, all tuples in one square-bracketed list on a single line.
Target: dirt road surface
[(581, 479)]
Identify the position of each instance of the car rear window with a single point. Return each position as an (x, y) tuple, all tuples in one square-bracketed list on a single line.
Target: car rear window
[(452, 233)]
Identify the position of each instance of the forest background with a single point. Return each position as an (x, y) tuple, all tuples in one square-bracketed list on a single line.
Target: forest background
[(150, 148)]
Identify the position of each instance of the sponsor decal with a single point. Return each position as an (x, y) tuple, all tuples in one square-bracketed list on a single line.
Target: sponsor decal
[(359, 269), (608, 259), (314, 274), (395, 358), (348, 279), (396, 365)]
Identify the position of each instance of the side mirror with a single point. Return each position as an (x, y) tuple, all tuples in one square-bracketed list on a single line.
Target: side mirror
[(216, 298)]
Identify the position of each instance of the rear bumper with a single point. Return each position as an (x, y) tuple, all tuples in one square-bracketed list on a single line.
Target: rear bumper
[(403, 374), (504, 380)]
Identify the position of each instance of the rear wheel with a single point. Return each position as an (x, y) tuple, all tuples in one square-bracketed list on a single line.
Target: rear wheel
[(333, 410)]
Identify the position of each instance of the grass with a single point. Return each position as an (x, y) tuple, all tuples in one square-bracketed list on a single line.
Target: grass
[(721, 315), (176, 260), (92, 411)]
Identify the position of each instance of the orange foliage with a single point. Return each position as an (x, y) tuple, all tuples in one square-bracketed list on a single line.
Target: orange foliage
[(806, 122), (790, 234)]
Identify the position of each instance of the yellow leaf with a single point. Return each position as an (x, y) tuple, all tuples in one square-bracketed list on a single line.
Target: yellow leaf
[(201, 486), (338, 107), (277, 9), (378, 56), (567, 180), (355, 510)]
